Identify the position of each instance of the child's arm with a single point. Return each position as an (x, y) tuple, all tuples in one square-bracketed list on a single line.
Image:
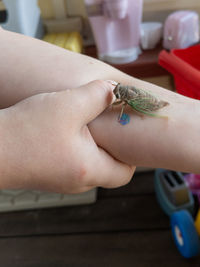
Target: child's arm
[(31, 66), (171, 143)]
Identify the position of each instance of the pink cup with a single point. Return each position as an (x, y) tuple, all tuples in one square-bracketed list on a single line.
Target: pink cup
[(115, 9)]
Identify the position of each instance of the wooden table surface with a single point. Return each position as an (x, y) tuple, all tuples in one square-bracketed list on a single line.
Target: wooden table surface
[(125, 227)]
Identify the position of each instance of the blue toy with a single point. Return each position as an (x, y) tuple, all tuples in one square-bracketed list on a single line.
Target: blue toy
[(174, 193)]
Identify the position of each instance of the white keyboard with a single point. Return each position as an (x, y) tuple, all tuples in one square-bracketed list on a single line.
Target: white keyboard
[(12, 200)]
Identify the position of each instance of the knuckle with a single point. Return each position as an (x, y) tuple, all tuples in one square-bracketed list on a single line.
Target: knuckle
[(81, 178)]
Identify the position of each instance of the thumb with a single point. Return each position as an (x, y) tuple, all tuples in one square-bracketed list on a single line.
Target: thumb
[(94, 98)]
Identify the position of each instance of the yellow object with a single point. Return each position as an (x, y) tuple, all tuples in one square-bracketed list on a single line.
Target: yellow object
[(61, 39), (74, 42), (70, 41), (197, 222), (50, 38)]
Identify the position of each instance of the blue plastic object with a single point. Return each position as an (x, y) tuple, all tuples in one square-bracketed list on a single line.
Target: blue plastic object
[(185, 234), (125, 119), (167, 206)]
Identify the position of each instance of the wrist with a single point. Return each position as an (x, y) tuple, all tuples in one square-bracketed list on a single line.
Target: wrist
[(4, 169), (11, 172), (188, 134)]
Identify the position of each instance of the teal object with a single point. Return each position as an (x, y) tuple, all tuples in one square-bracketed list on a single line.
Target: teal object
[(125, 119), (185, 234), (164, 201)]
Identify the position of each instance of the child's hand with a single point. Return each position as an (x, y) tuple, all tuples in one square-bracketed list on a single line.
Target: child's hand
[(47, 144)]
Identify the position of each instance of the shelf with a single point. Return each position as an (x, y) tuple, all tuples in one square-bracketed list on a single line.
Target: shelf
[(145, 66)]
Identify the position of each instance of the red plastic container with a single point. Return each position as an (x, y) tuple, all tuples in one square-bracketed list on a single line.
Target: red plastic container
[(184, 64)]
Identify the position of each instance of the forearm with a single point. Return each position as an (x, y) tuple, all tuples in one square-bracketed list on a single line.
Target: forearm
[(30, 66), (171, 143), (34, 66), (9, 170)]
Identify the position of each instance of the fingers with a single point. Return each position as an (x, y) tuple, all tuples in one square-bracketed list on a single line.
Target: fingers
[(108, 172), (93, 98)]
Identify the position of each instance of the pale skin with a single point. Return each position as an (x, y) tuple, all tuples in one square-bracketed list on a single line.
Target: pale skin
[(57, 141)]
